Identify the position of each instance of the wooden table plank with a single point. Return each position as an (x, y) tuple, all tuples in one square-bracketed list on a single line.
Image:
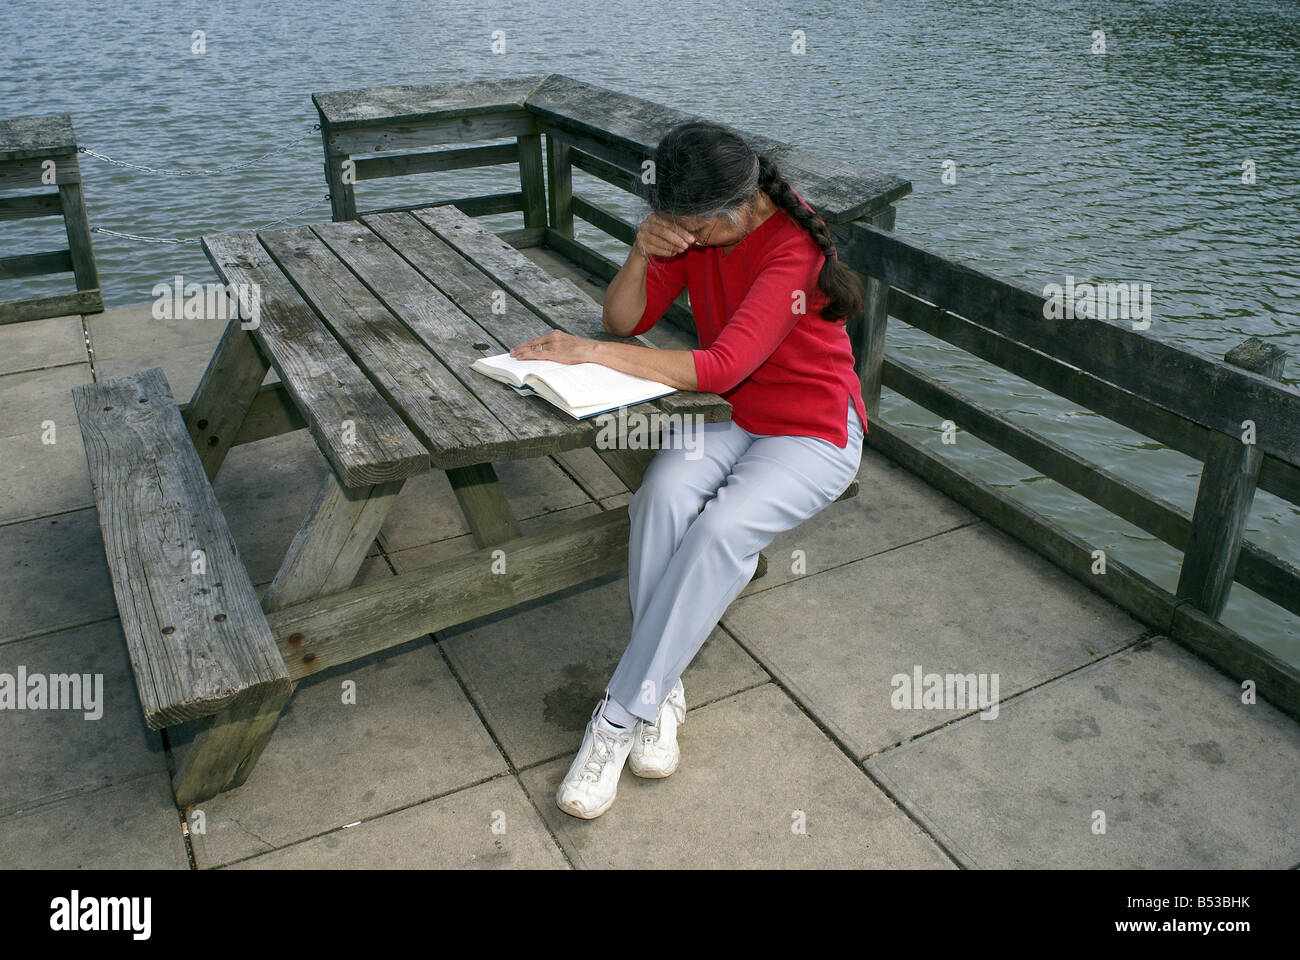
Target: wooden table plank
[(519, 430), (328, 388), (462, 284), (455, 426), (558, 300)]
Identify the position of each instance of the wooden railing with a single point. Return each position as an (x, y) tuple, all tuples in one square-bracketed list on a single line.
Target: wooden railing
[(38, 153), (1182, 399)]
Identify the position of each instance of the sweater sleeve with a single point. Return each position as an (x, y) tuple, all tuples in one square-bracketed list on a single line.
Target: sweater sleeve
[(665, 278), (764, 318)]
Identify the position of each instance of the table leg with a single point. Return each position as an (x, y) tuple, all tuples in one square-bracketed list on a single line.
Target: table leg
[(484, 504), (332, 542), (224, 395)]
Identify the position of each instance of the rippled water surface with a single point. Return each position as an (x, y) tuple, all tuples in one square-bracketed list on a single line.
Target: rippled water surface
[(1125, 165)]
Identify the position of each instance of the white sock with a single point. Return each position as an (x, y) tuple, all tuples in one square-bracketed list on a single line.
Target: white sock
[(616, 715)]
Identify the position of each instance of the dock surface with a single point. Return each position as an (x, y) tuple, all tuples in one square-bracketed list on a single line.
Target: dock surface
[(1111, 747)]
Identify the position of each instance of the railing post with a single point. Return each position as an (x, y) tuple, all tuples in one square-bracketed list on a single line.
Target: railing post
[(531, 182), (343, 200), (1224, 496), (868, 334), (559, 175)]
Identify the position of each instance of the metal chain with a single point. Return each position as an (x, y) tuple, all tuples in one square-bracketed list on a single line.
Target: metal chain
[(202, 172), (132, 236)]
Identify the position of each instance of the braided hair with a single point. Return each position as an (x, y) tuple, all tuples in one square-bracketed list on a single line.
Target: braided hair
[(704, 169)]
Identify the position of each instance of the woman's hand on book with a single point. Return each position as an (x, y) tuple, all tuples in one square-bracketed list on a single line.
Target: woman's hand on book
[(558, 346)]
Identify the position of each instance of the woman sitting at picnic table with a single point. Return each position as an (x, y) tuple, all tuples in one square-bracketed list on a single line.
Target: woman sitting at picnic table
[(770, 300)]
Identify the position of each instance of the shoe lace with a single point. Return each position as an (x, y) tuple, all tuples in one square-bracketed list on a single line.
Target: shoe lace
[(603, 745), (649, 731)]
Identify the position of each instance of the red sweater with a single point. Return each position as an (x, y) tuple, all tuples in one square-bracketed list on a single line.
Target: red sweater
[(783, 372)]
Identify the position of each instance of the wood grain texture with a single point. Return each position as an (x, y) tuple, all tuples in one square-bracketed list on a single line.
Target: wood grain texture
[(484, 503), (373, 302), (458, 319), (225, 394), (1224, 497), (327, 386), (556, 299), (322, 633), (331, 542), (25, 138), (345, 109), (198, 642)]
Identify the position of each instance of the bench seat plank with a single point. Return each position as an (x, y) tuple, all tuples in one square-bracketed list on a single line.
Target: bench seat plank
[(198, 641)]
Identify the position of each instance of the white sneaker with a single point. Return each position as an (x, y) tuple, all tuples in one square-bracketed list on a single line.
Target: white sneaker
[(655, 753), (588, 789)]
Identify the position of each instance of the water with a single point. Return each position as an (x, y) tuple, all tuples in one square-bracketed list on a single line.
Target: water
[(1123, 166)]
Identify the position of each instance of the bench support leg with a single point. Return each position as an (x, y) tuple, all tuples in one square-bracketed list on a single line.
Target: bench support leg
[(224, 395), (226, 749), (484, 504), (331, 544)]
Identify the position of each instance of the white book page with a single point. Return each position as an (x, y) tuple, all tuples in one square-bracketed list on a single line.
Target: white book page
[(581, 384)]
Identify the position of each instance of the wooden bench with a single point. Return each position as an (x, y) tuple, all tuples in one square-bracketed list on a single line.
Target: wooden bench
[(199, 643)]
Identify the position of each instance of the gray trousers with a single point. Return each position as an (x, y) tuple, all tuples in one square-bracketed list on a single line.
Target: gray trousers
[(697, 526)]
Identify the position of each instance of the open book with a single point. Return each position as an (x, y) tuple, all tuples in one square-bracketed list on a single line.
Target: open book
[(579, 389)]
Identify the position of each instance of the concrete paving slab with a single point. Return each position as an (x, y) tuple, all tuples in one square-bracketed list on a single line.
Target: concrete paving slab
[(488, 827), (50, 754), (427, 510), (133, 331), (754, 770), (264, 489), (55, 575), (37, 344), (29, 399), (183, 369), (410, 736), (1156, 739), (128, 826), (536, 671), (41, 479), (970, 601)]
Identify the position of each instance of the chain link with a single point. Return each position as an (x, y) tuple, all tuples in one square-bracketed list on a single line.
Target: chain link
[(132, 236), (204, 172)]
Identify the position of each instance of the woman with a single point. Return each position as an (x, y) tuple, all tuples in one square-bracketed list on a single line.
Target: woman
[(770, 300)]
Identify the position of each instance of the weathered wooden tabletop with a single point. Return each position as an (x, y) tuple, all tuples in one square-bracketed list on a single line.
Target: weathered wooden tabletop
[(372, 325)]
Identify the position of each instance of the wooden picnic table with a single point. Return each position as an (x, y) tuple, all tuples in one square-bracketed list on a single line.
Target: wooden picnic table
[(371, 325)]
